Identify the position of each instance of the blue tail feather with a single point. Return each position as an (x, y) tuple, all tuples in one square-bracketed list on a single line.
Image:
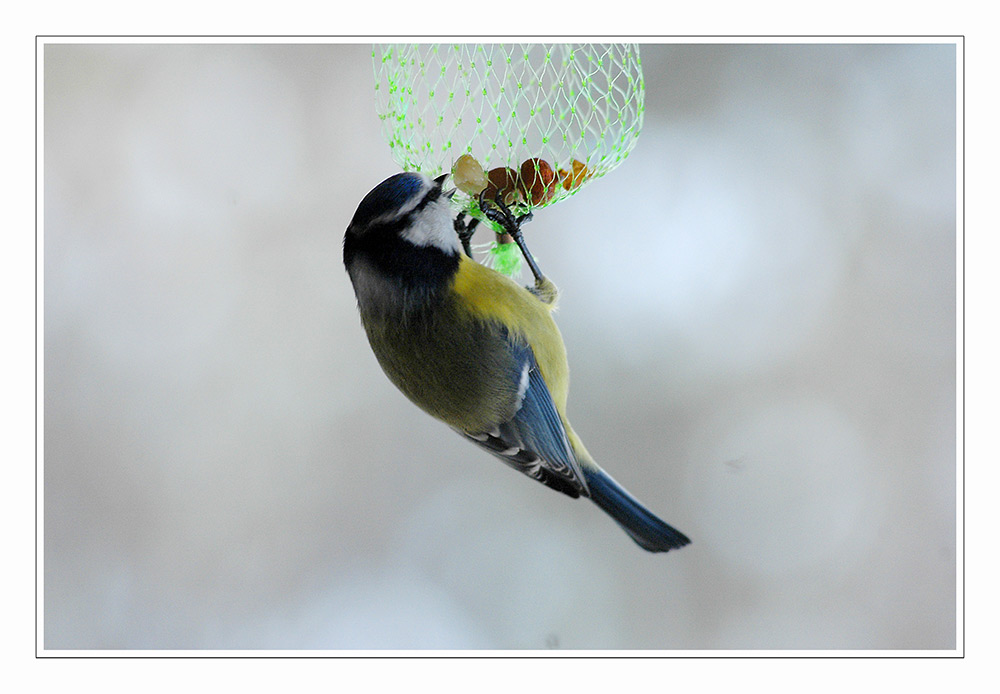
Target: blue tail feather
[(648, 531)]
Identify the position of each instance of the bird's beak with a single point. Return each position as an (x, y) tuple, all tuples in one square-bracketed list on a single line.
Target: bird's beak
[(439, 182)]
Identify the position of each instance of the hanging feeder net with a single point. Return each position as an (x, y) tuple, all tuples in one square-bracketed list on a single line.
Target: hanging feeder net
[(535, 123), (525, 124)]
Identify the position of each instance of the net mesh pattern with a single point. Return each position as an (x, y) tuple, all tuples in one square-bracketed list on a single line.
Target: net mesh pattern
[(575, 109)]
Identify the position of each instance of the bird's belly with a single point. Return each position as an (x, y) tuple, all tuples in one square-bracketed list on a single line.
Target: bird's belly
[(466, 378)]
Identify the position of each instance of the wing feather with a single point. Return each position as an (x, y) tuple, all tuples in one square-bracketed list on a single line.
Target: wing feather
[(534, 440)]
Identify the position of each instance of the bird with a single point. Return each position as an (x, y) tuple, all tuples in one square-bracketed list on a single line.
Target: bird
[(472, 347)]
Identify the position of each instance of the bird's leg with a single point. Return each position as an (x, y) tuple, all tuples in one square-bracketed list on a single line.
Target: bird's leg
[(502, 215), (519, 240), (465, 231)]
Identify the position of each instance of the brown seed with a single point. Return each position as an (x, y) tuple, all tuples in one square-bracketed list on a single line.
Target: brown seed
[(502, 183), (538, 181), (574, 180)]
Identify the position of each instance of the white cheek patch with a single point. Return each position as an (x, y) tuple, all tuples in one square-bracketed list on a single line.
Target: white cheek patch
[(433, 226)]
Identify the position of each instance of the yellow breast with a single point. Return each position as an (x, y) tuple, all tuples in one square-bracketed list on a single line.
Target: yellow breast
[(490, 296)]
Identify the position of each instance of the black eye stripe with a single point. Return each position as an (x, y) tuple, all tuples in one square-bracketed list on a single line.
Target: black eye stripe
[(386, 200), (432, 195)]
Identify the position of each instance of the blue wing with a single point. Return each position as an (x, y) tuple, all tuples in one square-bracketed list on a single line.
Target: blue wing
[(534, 440)]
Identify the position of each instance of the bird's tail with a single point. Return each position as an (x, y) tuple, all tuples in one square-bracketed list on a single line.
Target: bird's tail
[(647, 530)]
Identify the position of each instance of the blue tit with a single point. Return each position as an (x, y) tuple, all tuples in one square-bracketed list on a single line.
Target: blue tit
[(475, 349)]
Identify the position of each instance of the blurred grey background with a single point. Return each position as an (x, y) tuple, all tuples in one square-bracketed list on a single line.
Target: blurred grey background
[(759, 308)]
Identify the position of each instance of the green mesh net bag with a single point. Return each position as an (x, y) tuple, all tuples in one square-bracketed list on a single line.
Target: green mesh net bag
[(527, 124)]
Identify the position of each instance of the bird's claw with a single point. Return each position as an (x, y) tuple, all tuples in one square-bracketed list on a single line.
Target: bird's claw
[(502, 215), (465, 230)]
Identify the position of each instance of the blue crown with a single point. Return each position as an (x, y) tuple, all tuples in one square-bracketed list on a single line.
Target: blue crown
[(389, 195)]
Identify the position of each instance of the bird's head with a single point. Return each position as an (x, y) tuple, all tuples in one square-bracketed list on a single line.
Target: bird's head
[(401, 242), (409, 206)]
